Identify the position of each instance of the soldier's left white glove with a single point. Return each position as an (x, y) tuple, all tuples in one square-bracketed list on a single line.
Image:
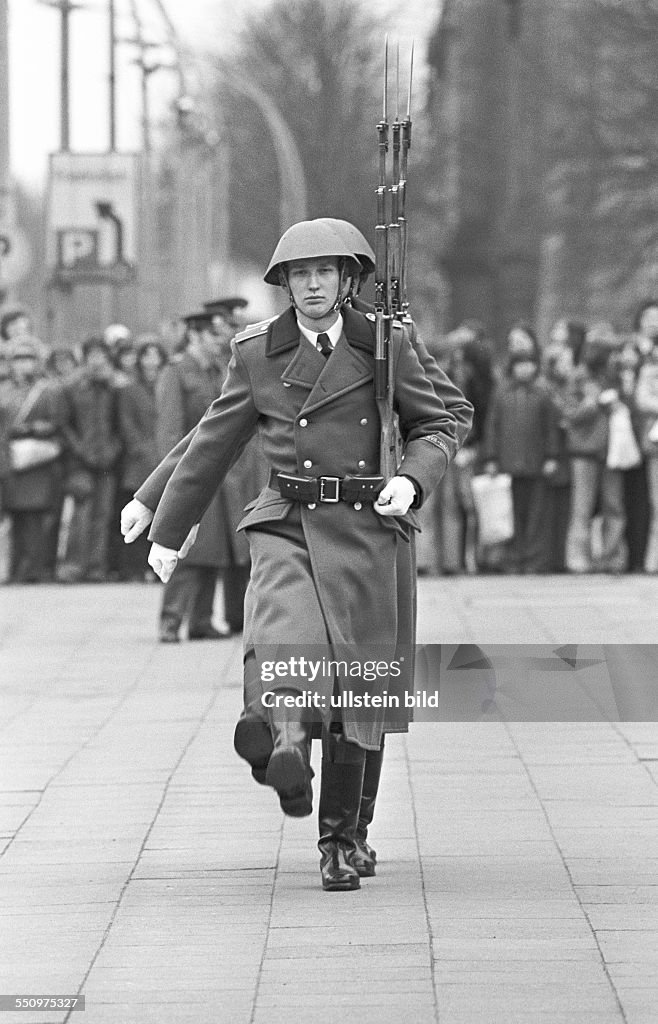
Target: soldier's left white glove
[(396, 498), (135, 517), (163, 561)]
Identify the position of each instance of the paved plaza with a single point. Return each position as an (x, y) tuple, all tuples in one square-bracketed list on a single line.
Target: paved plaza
[(141, 867)]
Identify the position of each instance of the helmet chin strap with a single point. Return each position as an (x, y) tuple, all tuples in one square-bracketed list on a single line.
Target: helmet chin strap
[(339, 294)]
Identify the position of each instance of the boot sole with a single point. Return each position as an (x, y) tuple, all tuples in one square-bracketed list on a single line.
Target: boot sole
[(289, 775), (348, 885), (252, 741)]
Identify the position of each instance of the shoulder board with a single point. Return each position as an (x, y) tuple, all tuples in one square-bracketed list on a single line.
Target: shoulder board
[(253, 330), (370, 316)]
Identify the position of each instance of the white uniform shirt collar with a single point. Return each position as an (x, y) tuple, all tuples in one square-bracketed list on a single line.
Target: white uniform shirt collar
[(334, 333)]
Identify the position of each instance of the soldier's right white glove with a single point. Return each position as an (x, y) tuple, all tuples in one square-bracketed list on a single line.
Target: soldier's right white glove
[(163, 561), (135, 517)]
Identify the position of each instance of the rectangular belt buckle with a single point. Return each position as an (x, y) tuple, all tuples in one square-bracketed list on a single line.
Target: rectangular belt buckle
[(333, 482)]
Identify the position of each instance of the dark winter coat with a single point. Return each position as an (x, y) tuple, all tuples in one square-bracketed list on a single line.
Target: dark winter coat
[(91, 423), (521, 429), (137, 419), (586, 421)]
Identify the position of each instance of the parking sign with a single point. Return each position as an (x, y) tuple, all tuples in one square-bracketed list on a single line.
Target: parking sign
[(92, 216)]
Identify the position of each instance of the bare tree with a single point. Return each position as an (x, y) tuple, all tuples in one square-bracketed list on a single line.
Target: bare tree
[(320, 62)]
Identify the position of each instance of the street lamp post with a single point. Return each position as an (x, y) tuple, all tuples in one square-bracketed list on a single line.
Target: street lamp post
[(112, 75), (4, 140), (4, 112), (65, 8)]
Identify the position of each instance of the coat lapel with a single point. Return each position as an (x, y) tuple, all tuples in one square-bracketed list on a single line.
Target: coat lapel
[(345, 370), (349, 367), (305, 366)]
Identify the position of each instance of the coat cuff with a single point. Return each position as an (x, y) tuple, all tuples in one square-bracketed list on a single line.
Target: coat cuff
[(425, 460)]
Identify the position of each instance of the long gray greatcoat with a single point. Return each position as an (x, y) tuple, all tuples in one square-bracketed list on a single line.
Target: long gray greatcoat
[(315, 418)]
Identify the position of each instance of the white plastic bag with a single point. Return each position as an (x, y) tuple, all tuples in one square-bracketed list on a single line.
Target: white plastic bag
[(623, 450), (492, 496), (5, 548)]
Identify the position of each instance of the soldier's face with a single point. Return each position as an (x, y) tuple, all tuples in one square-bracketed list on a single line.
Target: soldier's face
[(314, 284)]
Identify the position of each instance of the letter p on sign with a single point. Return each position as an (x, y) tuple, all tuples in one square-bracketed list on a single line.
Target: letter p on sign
[(77, 248)]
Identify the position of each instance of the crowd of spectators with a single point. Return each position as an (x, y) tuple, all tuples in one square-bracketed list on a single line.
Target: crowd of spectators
[(572, 425), (77, 436)]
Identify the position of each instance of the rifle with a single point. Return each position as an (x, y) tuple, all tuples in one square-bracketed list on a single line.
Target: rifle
[(390, 262)]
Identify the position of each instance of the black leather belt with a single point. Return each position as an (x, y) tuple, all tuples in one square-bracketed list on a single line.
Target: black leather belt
[(326, 489)]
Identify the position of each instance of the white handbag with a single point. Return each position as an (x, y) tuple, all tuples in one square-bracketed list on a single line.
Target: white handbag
[(29, 452)]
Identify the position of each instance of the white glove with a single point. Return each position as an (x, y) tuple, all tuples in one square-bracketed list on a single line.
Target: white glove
[(163, 561), (135, 517), (396, 498)]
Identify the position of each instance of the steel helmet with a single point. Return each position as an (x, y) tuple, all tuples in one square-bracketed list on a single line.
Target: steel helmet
[(353, 238), (307, 240)]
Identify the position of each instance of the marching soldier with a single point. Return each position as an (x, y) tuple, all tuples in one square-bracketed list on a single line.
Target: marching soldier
[(325, 532)]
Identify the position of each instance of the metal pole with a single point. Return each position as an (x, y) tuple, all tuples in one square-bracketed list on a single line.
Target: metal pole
[(65, 123), (4, 114), (5, 181), (112, 77), (65, 8)]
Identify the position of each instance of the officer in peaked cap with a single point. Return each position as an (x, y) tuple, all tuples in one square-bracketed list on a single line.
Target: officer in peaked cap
[(226, 307), (323, 533)]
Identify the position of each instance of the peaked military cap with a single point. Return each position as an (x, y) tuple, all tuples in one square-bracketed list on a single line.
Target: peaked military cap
[(225, 306)]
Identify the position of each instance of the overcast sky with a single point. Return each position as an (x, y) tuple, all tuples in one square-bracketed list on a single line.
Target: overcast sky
[(34, 67)]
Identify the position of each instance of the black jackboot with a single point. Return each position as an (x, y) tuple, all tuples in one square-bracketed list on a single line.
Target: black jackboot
[(340, 795), (289, 766), (365, 858), (252, 739), (253, 742)]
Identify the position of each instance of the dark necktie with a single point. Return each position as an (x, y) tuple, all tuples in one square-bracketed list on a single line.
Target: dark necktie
[(325, 345)]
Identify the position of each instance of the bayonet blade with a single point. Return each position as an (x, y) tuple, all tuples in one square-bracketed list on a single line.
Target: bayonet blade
[(385, 117), (411, 75)]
